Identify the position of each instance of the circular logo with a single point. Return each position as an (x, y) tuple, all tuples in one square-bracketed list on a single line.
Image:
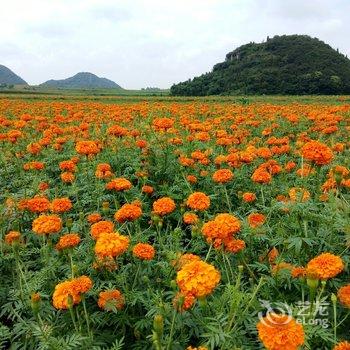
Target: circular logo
[(275, 313)]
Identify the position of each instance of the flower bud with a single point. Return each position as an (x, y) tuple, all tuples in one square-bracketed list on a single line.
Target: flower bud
[(69, 223), (312, 283), (35, 302), (334, 298), (158, 324), (145, 279), (105, 207)]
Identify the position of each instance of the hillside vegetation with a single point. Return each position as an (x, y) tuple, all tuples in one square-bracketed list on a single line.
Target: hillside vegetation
[(288, 64), (82, 80), (7, 77)]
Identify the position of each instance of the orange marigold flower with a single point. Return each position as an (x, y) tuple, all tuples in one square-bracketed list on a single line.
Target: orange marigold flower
[(111, 244), (198, 201), (128, 212), (47, 224), (190, 218), (290, 166), (317, 152), (111, 299), (117, 130), (183, 302), (147, 189), (298, 272), (221, 230), (325, 266), (67, 293), (95, 217), (278, 331), (346, 183), (34, 166), (344, 345), (163, 123), (298, 194), (198, 278), (344, 295), (184, 161), (87, 147), (164, 206), (82, 284), (103, 171), (228, 223), (67, 177), (256, 219), (12, 237), (143, 251), (61, 205), (22, 204), (69, 240), (43, 186), (101, 227), (261, 176), (68, 165), (38, 204), (64, 296), (34, 148), (234, 245), (141, 143), (191, 179), (249, 197), (119, 184), (184, 259), (197, 348), (223, 175)]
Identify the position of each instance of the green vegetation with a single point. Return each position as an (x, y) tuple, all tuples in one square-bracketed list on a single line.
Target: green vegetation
[(9, 79), (288, 64), (82, 80)]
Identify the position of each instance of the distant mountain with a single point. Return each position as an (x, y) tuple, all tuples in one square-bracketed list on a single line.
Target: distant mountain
[(287, 64), (83, 80), (9, 78)]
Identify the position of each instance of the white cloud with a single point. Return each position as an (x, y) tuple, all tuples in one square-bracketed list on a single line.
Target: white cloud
[(151, 42)]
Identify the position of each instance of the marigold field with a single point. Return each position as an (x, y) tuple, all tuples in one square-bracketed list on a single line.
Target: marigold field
[(174, 224)]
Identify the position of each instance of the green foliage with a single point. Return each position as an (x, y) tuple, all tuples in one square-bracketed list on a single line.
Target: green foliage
[(288, 64), (9, 78)]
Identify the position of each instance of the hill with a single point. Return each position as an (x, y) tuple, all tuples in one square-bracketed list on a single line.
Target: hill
[(83, 80), (7, 77), (288, 64)]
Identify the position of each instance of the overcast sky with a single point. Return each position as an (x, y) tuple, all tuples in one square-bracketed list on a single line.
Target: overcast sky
[(140, 43)]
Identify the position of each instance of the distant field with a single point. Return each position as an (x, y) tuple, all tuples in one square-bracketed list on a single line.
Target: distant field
[(123, 96)]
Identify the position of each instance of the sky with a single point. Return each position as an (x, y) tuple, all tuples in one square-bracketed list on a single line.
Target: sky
[(152, 43)]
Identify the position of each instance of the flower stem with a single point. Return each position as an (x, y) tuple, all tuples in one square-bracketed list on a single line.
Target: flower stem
[(73, 318), (86, 317), (171, 330), (227, 199)]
